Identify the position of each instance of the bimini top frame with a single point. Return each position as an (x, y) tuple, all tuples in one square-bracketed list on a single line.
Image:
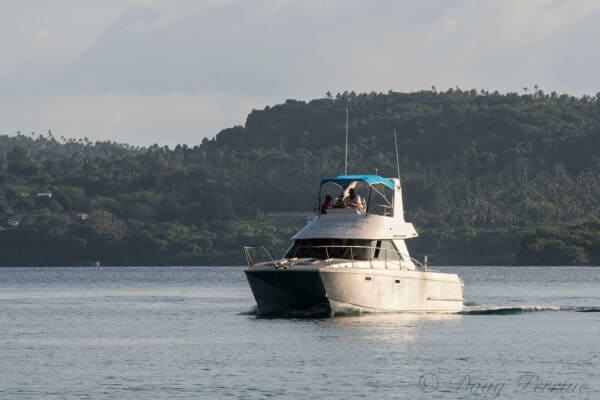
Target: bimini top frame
[(345, 180)]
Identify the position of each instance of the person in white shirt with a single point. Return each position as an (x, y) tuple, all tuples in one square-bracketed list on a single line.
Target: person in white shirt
[(353, 200)]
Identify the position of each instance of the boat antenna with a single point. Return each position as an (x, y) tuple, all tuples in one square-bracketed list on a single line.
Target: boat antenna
[(397, 158), (346, 154)]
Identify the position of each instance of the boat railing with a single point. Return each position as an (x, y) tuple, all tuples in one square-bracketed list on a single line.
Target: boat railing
[(259, 253), (330, 254), (419, 264), (356, 254)]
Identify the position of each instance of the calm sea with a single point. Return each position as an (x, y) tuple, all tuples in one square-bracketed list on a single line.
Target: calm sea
[(174, 333)]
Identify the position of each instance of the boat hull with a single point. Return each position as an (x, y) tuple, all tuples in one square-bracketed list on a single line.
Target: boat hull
[(347, 290), (288, 292), (392, 291)]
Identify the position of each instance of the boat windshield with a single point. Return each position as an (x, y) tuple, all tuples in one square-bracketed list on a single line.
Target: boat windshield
[(375, 198), (351, 249)]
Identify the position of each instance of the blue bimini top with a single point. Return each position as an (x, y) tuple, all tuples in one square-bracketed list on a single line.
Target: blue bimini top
[(345, 180)]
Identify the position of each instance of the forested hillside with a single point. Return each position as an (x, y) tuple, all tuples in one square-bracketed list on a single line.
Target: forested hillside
[(488, 178)]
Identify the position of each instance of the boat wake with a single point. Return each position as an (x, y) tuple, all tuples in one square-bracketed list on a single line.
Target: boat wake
[(484, 310), (251, 311), (317, 311), (589, 309), (470, 309)]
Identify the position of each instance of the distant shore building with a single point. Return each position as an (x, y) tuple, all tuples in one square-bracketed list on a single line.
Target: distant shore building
[(14, 220), (82, 216)]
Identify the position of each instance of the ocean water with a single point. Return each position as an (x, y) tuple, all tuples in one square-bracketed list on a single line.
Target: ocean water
[(190, 333)]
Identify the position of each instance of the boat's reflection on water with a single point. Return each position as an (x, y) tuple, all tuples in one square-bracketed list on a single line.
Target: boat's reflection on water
[(398, 329), (395, 327)]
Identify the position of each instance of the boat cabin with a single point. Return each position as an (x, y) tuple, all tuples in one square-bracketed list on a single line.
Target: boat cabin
[(366, 225)]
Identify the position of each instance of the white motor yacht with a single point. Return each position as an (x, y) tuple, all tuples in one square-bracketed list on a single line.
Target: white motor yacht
[(352, 258)]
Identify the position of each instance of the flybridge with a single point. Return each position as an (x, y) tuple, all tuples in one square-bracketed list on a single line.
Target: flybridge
[(365, 194), (380, 216)]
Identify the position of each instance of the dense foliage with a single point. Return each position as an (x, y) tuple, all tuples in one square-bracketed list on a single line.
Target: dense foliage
[(481, 172), (577, 244)]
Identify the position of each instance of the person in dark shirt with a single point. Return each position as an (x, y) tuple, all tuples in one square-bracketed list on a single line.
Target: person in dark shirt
[(339, 202), (328, 204)]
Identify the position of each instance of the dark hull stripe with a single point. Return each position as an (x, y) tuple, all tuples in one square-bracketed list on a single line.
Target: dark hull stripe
[(288, 293)]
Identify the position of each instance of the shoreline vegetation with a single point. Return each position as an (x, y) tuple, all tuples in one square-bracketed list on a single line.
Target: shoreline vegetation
[(488, 178)]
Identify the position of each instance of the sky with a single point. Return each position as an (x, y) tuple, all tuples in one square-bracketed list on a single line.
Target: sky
[(177, 71)]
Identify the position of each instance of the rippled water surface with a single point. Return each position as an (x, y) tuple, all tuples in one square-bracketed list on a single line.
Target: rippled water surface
[(169, 333)]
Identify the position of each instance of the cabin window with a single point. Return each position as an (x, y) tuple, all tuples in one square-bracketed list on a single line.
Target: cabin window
[(380, 200), (357, 249), (387, 250)]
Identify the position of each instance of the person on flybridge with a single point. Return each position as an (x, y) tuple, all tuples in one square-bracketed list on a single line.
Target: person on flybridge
[(339, 202), (327, 205), (353, 200)]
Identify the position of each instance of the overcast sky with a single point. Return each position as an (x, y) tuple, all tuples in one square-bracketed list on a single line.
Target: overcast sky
[(169, 72)]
